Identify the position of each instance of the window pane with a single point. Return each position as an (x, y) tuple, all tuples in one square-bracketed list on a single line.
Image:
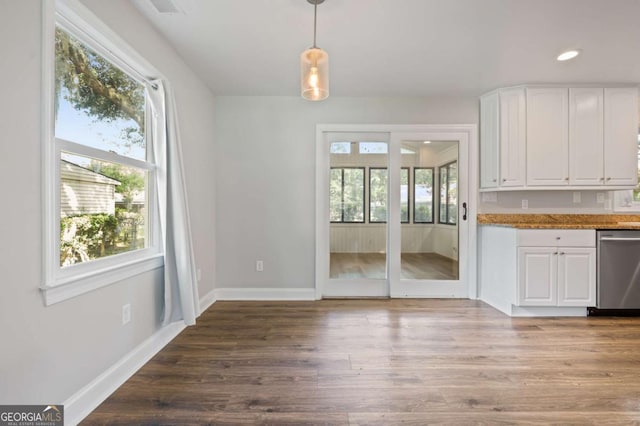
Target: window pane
[(353, 195), (102, 209), (404, 195), (340, 148), (452, 193), (377, 195), (335, 195), (372, 147), (443, 195), (423, 194), (97, 104)]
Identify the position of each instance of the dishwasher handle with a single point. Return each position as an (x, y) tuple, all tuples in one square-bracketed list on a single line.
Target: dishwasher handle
[(618, 239)]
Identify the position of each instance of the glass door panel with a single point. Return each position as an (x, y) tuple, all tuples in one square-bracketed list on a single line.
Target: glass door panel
[(358, 212)]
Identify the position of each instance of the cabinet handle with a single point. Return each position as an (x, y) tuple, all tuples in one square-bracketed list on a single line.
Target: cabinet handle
[(561, 253), (566, 178), (556, 253), (608, 179), (601, 179), (495, 180), (504, 180), (557, 238)]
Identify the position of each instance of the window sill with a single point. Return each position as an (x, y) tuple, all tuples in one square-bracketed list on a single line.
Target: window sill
[(81, 284)]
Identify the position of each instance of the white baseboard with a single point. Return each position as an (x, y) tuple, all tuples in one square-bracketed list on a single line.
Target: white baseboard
[(265, 294), (550, 311), (208, 300), (87, 399)]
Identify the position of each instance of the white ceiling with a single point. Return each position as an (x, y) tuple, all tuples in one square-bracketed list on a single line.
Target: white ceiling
[(404, 47)]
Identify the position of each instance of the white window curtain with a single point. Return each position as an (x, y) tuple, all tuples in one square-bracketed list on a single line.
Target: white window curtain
[(180, 283)]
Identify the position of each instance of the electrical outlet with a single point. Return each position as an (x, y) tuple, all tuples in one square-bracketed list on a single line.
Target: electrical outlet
[(525, 204), (259, 266), (489, 197), (577, 197), (126, 313), (600, 198)]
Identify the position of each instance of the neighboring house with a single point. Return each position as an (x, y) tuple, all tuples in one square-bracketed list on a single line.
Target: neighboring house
[(83, 191)]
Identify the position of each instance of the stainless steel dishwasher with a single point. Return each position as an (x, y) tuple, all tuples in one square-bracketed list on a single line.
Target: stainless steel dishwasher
[(618, 270)]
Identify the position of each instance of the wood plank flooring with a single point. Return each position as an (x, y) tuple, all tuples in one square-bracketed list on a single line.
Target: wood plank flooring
[(381, 362), (424, 266)]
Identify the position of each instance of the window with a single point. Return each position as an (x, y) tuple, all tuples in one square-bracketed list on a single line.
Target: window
[(404, 195), (101, 208), (449, 193), (378, 195), (423, 195), (346, 195), (340, 148), (372, 148)]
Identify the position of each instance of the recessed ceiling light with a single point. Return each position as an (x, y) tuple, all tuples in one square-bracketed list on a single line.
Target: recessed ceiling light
[(427, 141), (569, 54)]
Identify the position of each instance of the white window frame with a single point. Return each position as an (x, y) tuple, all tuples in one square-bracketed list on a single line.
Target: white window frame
[(64, 283)]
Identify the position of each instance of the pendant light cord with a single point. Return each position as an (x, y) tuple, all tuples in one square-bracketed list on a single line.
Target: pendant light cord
[(315, 19)]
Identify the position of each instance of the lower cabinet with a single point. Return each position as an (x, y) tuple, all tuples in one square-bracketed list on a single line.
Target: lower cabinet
[(537, 271), (556, 276)]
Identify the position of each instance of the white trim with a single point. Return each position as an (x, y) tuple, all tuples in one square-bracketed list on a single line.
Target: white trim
[(207, 300), (80, 284), (547, 311), (469, 131), (99, 154), (265, 294), (87, 399), (63, 283)]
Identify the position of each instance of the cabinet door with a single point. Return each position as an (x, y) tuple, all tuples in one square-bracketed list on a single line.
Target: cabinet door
[(547, 136), (489, 127), (537, 276), (576, 276), (621, 136), (512, 137), (586, 136)]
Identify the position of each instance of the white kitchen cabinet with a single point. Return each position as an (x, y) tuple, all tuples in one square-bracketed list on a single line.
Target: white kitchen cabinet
[(537, 276), (556, 268), (512, 137), (586, 136), (620, 136), (559, 137), (489, 135), (537, 272), (547, 136), (503, 138), (576, 276)]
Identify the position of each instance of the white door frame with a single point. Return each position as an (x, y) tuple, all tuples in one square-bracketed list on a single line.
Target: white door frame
[(451, 131)]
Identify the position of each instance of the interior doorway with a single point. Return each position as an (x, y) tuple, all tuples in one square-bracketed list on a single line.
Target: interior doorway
[(393, 214)]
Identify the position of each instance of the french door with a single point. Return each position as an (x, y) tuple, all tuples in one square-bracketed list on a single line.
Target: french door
[(392, 213)]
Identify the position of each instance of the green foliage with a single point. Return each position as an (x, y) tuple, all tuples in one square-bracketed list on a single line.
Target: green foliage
[(91, 236), (131, 181), (92, 84)]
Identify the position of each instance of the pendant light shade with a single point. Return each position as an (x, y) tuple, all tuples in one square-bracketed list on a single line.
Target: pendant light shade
[(314, 66)]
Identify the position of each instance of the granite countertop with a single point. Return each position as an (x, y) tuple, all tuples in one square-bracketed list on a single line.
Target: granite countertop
[(561, 221)]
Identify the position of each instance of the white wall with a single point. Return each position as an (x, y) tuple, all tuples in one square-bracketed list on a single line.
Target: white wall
[(545, 202), (49, 353), (265, 177)]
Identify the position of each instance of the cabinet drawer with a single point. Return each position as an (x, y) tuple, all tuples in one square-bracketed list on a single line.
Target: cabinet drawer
[(557, 237)]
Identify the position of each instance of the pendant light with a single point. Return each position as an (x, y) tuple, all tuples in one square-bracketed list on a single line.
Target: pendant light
[(314, 64)]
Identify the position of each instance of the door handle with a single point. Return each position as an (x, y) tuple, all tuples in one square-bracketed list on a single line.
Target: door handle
[(464, 211)]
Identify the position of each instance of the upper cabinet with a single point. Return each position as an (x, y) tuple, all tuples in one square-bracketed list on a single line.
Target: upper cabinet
[(547, 137), (535, 137)]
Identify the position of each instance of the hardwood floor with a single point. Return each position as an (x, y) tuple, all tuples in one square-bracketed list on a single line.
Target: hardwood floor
[(426, 266), (385, 362)]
